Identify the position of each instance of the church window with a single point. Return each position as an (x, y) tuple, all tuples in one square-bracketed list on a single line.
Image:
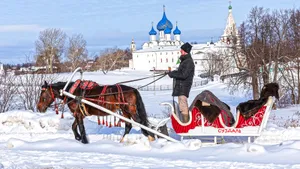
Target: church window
[(166, 53), (149, 61), (161, 60), (167, 60), (172, 53), (137, 56), (160, 53), (172, 60), (196, 63)]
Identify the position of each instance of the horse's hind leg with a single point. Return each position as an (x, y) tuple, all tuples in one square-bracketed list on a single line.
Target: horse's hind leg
[(142, 119), (146, 133), (74, 128), (81, 128), (128, 127)]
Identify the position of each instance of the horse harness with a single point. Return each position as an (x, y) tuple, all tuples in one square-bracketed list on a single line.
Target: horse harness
[(53, 97), (87, 85)]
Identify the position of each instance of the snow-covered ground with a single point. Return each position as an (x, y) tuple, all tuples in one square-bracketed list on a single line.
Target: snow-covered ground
[(36, 140)]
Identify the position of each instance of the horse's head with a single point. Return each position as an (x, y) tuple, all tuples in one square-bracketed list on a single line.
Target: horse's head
[(270, 89), (47, 97)]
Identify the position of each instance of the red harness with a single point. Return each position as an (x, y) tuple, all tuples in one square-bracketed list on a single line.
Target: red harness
[(53, 97), (88, 85)]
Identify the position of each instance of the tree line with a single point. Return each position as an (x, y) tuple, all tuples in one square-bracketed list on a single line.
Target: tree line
[(54, 50), (58, 52)]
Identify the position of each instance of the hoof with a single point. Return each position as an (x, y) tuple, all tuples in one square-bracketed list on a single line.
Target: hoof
[(84, 141), (78, 138), (122, 140), (150, 138)]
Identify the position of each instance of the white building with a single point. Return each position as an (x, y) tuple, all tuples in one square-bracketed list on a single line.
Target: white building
[(162, 53)]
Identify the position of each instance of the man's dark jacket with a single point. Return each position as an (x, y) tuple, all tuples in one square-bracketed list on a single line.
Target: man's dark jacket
[(183, 76)]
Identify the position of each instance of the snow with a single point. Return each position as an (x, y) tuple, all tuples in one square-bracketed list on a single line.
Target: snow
[(44, 140)]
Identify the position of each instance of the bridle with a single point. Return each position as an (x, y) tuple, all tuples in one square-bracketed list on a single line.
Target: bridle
[(53, 97), (51, 92)]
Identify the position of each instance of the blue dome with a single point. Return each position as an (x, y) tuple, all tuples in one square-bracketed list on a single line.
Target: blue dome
[(164, 23), (152, 31), (176, 31), (167, 30)]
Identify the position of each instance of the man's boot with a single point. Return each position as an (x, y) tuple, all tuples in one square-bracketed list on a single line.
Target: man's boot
[(185, 118)]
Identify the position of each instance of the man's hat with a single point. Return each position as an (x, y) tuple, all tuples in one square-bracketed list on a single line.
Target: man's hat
[(186, 47)]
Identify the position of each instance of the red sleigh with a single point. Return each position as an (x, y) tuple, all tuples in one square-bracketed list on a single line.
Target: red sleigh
[(198, 125)]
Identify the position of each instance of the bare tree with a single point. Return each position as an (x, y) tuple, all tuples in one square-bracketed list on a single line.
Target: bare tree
[(270, 43), (218, 62), (262, 43), (77, 52), (49, 47), (291, 68), (112, 58), (7, 92), (30, 88)]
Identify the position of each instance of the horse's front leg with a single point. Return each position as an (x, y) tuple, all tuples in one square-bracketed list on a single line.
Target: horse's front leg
[(75, 131), (128, 127), (84, 139)]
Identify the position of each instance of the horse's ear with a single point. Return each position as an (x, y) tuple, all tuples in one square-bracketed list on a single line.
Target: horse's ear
[(45, 84)]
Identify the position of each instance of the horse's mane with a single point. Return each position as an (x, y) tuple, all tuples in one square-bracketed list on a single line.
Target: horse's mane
[(59, 85)]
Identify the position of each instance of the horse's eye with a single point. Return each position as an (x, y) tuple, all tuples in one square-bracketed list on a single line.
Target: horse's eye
[(44, 99)]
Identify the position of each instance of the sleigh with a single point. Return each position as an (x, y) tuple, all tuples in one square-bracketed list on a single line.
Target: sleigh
[(198, 125)]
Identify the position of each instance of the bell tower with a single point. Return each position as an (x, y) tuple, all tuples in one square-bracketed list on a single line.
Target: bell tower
[(132, 46), (230, 35)]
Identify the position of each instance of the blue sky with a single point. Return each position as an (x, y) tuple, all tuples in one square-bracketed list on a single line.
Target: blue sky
[(110, 23)]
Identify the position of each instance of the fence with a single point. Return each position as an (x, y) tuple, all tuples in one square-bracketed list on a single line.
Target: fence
[(167, 87), (240, 74)]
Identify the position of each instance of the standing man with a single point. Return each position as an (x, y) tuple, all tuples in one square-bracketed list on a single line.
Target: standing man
[(183, 78)]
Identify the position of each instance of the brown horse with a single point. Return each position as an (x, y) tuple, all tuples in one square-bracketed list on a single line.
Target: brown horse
[(112, 97)]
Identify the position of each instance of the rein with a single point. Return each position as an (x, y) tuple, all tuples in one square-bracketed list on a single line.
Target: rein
[(162, 75), (107, 94), (134, 80)]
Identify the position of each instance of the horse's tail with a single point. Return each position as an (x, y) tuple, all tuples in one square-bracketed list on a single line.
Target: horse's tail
[(142, 116), (141, 110)]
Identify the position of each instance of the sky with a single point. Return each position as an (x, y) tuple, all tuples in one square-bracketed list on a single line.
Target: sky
[(114, 23)]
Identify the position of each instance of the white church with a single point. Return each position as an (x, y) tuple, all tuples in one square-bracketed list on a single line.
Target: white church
[(163, 50)]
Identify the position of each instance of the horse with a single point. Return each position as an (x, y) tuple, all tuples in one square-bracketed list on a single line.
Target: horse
[(113, 97)]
